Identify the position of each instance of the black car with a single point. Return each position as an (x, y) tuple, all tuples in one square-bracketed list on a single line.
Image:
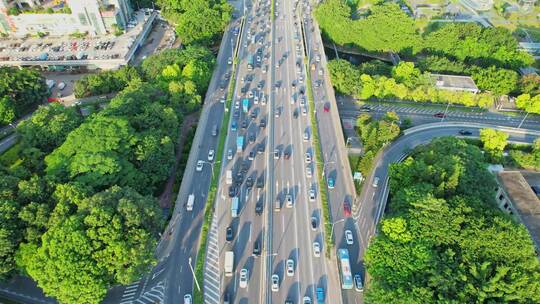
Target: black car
[(229, 234), (263, 123), (249, 182), (295, 113), (222, 85), (251, 155), (256, 249), (245, 166), (313, 223), (236, 114), (244, 124), (253, 114), (259, 208), (260, 148), (260, 85), (465, 132), (260, 181), (232, 191), (244, 90), (286, 154), (251, 138)]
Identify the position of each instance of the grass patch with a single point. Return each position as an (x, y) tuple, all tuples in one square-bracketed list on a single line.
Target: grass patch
[(329, 241), (11, 157)]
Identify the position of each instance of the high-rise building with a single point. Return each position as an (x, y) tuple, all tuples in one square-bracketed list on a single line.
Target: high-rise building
[(56, 17)]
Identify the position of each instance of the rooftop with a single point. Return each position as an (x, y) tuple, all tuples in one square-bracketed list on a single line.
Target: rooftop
[(524, 201), (455, 83)]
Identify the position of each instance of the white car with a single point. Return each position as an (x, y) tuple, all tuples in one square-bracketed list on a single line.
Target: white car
[(229, 61), (306, 300), (288, 199), (187, 299), (316, 249), (199, 167), (275, 283), (311, 195), (309, 171), (306, 135), (229, 154), (349, 237), (304, 111), (290, 267), (243, 281), (211, 155), (308, 157)]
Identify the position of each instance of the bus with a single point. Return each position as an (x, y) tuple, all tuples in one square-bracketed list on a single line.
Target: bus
[(345, 269), (250, 63)]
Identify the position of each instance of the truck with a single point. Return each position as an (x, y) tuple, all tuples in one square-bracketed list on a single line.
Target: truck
[(190, 202), (228, 177), (245, 105), (234, 207), (239, 144), (250, 63), (229, 263)]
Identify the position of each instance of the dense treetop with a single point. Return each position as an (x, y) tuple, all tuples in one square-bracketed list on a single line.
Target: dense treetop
[(188, 15), (78, 210), (20, 91), (445, 241)]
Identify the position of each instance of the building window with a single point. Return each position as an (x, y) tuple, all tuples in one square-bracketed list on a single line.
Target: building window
[(501, 197), (505, 206)]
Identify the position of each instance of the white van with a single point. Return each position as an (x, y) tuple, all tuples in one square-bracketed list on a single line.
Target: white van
[(190, 202)]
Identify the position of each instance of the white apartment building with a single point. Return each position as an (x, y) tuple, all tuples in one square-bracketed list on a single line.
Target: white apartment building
[(19, 18)]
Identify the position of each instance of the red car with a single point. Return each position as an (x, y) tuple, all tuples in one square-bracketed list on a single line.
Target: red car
[(440, 115), (327, 107), (346, 208)]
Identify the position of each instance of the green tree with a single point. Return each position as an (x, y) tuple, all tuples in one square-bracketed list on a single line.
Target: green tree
[(48, 127), (406, 73), (529, 84), (10, 235), (7, 110), (25, 88), (494, 141), (498, 81), (63, 265), (528, 103)]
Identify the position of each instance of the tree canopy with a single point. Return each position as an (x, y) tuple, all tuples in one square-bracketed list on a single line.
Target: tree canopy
[(20, 91), (79, 211), (445, 241), (187, 16)]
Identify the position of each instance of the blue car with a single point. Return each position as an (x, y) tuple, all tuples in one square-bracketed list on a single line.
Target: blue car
[(320, 295), (233, 125), (331, 183)]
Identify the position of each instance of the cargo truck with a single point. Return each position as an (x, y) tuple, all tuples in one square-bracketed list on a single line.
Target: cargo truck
[(229, 263)]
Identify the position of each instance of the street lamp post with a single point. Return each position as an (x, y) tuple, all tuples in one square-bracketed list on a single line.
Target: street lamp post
[(523, 120), (194, 277), (445, 111), (336, 222)]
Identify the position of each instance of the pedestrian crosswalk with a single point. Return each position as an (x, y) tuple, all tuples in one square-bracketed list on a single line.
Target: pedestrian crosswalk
[(153, 296), (212, 283)]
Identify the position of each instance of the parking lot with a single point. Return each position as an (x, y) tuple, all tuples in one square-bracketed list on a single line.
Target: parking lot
[(69, 48)]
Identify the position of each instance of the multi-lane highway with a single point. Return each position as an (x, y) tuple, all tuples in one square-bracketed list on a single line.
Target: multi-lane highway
[(272, 175)]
